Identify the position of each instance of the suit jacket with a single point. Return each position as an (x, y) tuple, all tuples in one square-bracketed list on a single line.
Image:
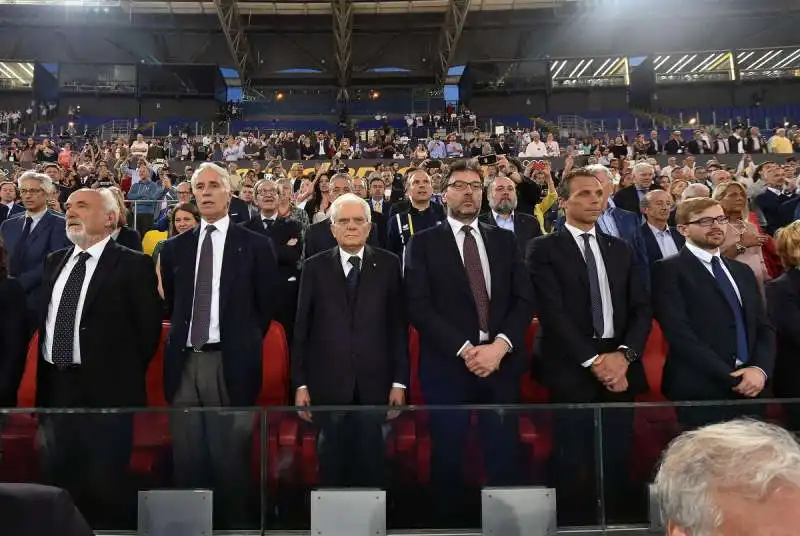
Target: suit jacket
[(655, 147), (340, 346), (282, 232), (769, 203), (651, 244), (442, 309), (5, 213), (628, 198), (239, 211), (673, 146), (697, 147), (750, 145), (783, 305), (35, 510), (526, 227), (379, 220), (247, 301), (787, 211), (320, 238), (119, 330), (130, 238), (733, 144), (14, 334), (565, 338), (49, 235), (699, 326)]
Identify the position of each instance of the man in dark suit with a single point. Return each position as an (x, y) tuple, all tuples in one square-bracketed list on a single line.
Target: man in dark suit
[(319, 236), (35, 510), (629, 198), (422, 213), (350, 346), (30, 236), (220, 286), (770, 200), (595, 317), (287, 239), (675, 144), (239, 211), (721, 344), (660, 239), (654, 145), (736, 142), (322, 147), (470, 300), (99, 327), (697, 145), (503, 203), (8, 205)]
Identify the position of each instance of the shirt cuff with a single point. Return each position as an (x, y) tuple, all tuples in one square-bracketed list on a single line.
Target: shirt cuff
[(303, 387), (398, 385), (463, 347), (589, 362), (506, 340)]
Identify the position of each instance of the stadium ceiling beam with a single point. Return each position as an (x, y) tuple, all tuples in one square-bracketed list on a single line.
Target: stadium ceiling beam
[(231, 22), (454, 18), (342, 14)]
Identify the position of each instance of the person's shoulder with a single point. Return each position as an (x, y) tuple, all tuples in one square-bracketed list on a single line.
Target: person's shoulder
[(380, 254), (12, 289), (318, 258), (431, 233)]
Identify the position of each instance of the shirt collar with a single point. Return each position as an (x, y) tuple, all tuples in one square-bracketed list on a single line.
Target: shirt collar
[(503, 217), (35, 216), (456, 225), (703, 255), (220, 225), (611, 203), (273, 218), (656, 229), (576, 233), (345, 256), (774, 190), (95, 251)]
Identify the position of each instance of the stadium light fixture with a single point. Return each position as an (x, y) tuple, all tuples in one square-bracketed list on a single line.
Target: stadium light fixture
[(588, 63), (669, 71), (10, 72), (559, 68), (788, 59), (684, 64), (752, 65), (706, 62), (611, 68), (575, 70), (744, 57), (659, 63), (603, 66), (767, 60)]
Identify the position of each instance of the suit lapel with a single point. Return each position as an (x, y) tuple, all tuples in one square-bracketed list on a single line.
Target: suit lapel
[(748, 305), (188, 254), (573, 254), (367, 278), (105, 264), (701, 272), (40, 228), (612, 270), (653, 250), (233, 249), (451, 253), (338, 282)]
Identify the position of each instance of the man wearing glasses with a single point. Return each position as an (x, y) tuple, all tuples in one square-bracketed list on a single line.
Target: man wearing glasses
[(721, 344), (470, 299)]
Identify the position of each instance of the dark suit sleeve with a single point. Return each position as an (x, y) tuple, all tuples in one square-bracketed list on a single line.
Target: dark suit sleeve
[(670, 305), (145, 306), (373, 239), (265, 282), (305, 311), (289, 255), (764, 352), (57, 240), (421, 311), (14, 334), (549, 302), (394, 242), (640, 312), (311, 247), (783, 305), (521, 307), (166, 261), (398, 325)]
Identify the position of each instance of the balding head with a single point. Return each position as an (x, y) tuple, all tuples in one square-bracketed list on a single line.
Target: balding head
[(695, 190)]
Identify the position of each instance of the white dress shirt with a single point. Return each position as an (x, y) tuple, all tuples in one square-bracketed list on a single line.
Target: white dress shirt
[(458, 233), (218, 243), (55, 300), (665, 241), (602, 276), (705, 259), (504, 221), (35, 218)]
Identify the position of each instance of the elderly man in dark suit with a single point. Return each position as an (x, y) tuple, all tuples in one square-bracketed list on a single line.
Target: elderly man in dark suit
[(503, 204), (470, 300), (220, 287), (350, 346), (630, 197), (30, 236), (595, 318), (721, 343), (99, 327), (660, 239)]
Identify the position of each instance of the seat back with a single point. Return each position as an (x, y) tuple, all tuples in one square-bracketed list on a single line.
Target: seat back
[(151, 238), (26, 394), (154, 379), (415, 391), (274, 368)]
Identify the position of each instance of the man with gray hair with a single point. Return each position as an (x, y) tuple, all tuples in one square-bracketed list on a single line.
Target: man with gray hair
[(629, 198), (695, 189), (32, 235), (740, 477), (349, 350)]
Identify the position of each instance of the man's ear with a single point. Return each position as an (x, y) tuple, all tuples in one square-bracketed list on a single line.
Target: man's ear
[(675, 530)]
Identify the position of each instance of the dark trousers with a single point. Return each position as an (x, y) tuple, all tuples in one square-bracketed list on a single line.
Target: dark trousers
[(287, 310), (691, 417), (144, 221), (350, 448), (87, 454), (449, 431), (212, 446)]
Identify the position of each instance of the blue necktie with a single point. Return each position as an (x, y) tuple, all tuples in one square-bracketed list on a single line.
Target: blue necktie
[(17, 260), (730, 295)]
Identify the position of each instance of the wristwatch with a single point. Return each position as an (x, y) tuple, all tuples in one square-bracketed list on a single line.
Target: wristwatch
[(629, 354), (740, 248)]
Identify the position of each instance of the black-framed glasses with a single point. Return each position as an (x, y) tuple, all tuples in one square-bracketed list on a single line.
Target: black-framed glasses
[(461, 186), (708, 222)]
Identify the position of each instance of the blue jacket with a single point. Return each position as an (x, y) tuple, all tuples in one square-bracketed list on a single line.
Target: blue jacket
[(147, 193), (47, 236)]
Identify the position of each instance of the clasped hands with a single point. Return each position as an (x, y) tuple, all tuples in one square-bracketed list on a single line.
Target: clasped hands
[(611, 369), (752, 383), (302, 399), (484, 359)]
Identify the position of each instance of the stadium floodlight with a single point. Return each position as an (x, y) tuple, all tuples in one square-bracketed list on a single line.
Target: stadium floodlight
[(10, 72), (744, 57), (758, 61), (602, 67), (763, 64), (558, 69), (669, 71), (684, 64), (611, 68), (588, 63), (659, 62), (788, 59), (706, 62), (575, 70)]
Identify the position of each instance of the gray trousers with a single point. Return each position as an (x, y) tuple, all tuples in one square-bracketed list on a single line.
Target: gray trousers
[(212, 445)]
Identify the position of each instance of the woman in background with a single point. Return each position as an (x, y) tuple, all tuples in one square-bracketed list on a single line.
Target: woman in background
[(182, 218)]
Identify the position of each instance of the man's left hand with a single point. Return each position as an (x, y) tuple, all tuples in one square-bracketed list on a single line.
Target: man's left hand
[(752, 383), (485, 359), (611, 368), (397, 397)]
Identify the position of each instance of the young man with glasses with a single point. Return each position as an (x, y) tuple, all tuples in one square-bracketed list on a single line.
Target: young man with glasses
[(721, 344)]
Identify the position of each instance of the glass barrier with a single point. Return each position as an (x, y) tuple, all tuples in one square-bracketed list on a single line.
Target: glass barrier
[(262, 464)]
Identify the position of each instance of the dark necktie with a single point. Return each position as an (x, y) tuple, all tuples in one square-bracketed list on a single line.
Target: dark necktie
[(477, 282), (62, 348), (352, 277), (733, 301), (201, 310), (20, 248), (268, 224), (594, 287)]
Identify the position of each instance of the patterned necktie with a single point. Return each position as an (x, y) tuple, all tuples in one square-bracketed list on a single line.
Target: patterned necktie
[(477, 282), (18, 255), (594, 288), (268, 224), (352, 277), (201, 310), (725, 285), (62, 349)]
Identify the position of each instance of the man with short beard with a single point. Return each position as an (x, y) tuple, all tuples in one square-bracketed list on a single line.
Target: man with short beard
[(89, 359), (503, 202)]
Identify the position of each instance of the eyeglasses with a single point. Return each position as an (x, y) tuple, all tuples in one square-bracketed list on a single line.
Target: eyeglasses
[(461, 186), (344, 222), (708, 222), (32, 191)]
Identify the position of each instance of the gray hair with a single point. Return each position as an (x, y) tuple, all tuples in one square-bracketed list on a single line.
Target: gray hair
[(594, 169), (744, 457), (695, 190), (221, 172), (644, 165), (109, 202), (645, 201), (349, 199), (44, 180)]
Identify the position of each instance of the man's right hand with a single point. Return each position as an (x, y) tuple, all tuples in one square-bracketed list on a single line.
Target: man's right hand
[(303, 399)]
